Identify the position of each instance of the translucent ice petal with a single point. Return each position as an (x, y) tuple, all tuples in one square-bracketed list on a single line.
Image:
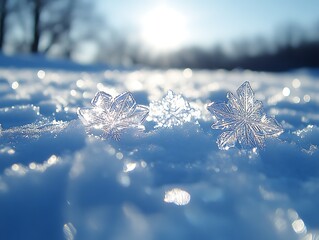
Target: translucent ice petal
[(123, 105), (102, 100), (226, 140), (89, 116), (270, 126), (248, 137), (139, 114), (246, 96), (220, 110), (223, 114), (234, 102)]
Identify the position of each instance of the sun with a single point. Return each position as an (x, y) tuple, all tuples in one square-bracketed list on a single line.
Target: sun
[(163, 28)]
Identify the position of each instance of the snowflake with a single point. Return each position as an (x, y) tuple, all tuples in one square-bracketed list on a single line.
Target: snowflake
[(243, 120), (113, 115), (172, 110)]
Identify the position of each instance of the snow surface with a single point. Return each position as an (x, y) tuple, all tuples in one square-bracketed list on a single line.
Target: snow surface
[(58, 182)]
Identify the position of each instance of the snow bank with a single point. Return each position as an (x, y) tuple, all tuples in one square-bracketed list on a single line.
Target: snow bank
[(58, 182)]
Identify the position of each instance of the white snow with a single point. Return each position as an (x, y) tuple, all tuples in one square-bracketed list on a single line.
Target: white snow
[(58, 182)]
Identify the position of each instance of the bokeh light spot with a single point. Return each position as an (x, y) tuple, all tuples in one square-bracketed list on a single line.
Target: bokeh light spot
[(128, 167), (32, 166), (296, 99), (298, 226), (80, 83), (15, 85), (306, 98), (15, 167), (187, 73), (177, 196), (119, 155), (73, 93), (296, 83), (41, 74), (124, 180), (286, 91)]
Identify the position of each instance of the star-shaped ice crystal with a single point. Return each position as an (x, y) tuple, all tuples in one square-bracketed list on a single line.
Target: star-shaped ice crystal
[(113, 115), (243, 120), (172, 110)]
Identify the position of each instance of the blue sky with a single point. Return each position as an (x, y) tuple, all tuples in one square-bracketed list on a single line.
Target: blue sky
[(209, 22)]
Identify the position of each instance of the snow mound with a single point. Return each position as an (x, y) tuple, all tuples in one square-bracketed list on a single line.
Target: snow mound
[(58, 182)]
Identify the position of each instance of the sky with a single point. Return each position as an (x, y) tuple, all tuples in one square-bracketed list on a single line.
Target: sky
[(176, 23)]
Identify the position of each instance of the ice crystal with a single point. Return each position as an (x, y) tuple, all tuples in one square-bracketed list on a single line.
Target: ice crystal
[(69, 231), (172, 110), (243, 120), (35, 130), (113, 115)]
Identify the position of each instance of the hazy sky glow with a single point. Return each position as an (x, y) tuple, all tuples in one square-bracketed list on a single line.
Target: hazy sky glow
[(205, 22)]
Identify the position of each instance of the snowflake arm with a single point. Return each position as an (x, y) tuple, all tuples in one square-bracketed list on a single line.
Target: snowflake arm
[(243, 120), (123, 106), (102, 100), (226, 140), (224, 115), (246, 97)]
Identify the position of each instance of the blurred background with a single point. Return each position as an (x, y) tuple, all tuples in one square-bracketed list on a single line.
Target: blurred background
[(200, 34)]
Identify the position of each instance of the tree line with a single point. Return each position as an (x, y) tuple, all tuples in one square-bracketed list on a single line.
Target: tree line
[(55, 27), (68, 28)]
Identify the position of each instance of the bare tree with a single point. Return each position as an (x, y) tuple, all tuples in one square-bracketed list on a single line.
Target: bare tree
[(59, 25), (37, 9), (60, 28), (56, 30), (3, 15)]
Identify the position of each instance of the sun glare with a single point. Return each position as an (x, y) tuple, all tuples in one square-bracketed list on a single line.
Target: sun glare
[(163, 28)]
